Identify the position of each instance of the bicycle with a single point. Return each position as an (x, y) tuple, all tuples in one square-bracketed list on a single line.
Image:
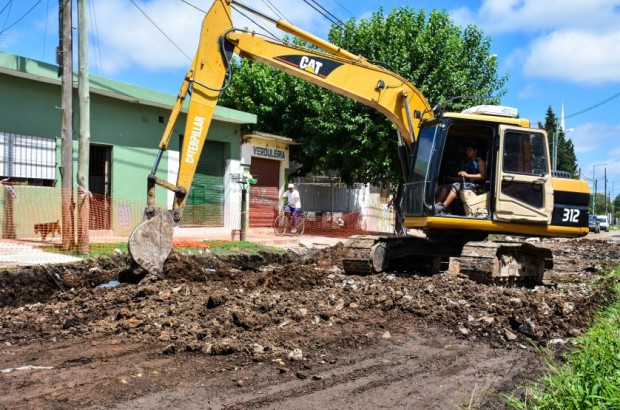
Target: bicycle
[(284, 223)]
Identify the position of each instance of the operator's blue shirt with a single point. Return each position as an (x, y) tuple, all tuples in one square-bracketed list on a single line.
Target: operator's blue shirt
[(472, 168)]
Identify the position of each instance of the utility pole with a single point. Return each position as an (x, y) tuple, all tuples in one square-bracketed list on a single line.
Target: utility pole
[(594, 200), (606, 214), (595, 185), (66, 125), (84, 137), (612, 201)]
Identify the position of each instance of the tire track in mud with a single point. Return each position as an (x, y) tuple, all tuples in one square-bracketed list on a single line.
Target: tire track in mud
[(79, 368), (406, 375), (410, 370)]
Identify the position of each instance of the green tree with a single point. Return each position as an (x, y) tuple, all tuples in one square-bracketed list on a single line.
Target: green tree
[(440, 58), (599, 203), (615, 209), (566, 158)]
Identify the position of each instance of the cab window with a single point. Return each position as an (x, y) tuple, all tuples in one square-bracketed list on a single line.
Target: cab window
[(524, 153)]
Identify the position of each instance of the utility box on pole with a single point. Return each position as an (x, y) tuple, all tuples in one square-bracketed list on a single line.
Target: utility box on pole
[(244, 179)]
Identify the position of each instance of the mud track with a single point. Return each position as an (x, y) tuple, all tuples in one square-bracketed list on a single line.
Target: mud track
[(284, 331)]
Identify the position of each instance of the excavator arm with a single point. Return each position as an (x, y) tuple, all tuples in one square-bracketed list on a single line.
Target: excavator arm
[(329, 66)]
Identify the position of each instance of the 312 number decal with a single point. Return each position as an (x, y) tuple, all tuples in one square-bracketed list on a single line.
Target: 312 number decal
[(571, 215)]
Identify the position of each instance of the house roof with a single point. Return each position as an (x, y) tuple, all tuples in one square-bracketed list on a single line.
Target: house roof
[(24, 67), (267, 136)]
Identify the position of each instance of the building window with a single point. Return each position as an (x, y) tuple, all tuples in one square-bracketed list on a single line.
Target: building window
[(28, 159)]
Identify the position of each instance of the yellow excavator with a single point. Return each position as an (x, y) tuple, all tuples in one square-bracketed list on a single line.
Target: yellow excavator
[(521, 195)]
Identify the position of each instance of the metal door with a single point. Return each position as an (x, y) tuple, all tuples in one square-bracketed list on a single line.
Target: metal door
[(523, 184), (99, 184), (205, 199), (264, 196)]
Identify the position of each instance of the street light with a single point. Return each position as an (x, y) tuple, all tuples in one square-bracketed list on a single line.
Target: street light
[(554, 158), (594, 181)]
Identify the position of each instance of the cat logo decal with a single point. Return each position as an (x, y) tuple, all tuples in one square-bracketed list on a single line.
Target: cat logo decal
[(319, 66)]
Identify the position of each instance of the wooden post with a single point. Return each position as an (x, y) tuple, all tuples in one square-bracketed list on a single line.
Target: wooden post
[(243, 227), (8, 226), (84, 137), (66, 156)]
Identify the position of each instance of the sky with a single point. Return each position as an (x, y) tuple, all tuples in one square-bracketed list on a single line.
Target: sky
[(558, 53)]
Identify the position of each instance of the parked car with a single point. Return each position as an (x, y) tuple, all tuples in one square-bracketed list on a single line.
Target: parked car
[(602, 219), (594, 224)]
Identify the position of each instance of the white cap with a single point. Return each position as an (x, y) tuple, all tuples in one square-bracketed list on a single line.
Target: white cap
[(291, 185)]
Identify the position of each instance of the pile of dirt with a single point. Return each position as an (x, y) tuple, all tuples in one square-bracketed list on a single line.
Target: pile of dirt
[(291, 304), (583, 255), (37, 284)]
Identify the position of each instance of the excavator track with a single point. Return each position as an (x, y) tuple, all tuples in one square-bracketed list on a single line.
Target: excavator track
[(374, 254), (506, 263), (356, 259), (503, 263)]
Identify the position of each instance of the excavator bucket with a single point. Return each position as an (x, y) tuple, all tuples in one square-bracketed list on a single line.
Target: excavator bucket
[(150, 242)]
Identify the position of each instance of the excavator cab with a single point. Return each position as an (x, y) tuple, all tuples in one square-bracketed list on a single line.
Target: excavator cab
[(519, 196)]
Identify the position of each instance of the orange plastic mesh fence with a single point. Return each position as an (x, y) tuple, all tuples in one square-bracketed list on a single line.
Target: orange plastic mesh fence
[(33, 216)]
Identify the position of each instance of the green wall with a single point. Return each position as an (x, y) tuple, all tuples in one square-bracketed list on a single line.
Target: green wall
[(134, 130), (129, 119), (30, 108)]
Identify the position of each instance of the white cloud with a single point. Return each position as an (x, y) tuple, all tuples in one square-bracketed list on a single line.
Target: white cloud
[(576, 56), (501, 16), (561, 39), (128, 39), (590, 136), (597, 144), (529, 91)]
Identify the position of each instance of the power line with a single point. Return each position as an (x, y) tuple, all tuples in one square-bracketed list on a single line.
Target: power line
[(319, 11), (160, 30), (344, 8), (593, 106), (273, 8), (9, 4), (47, 6), (336, 20), (253, 21), (322, 11), (196, 7), (21, 18), (240, 12), (96, 41), (6, 5)]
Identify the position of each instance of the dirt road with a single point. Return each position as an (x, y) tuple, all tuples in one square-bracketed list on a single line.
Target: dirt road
[(284, 331)]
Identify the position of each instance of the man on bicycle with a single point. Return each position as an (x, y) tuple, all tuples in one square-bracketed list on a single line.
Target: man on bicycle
[(293, 204)]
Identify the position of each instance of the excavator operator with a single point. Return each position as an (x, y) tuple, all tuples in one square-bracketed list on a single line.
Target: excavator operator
[(473, 174)]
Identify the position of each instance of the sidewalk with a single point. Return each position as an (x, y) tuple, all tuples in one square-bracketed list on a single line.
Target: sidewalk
[(267, 237), (15, 253)]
